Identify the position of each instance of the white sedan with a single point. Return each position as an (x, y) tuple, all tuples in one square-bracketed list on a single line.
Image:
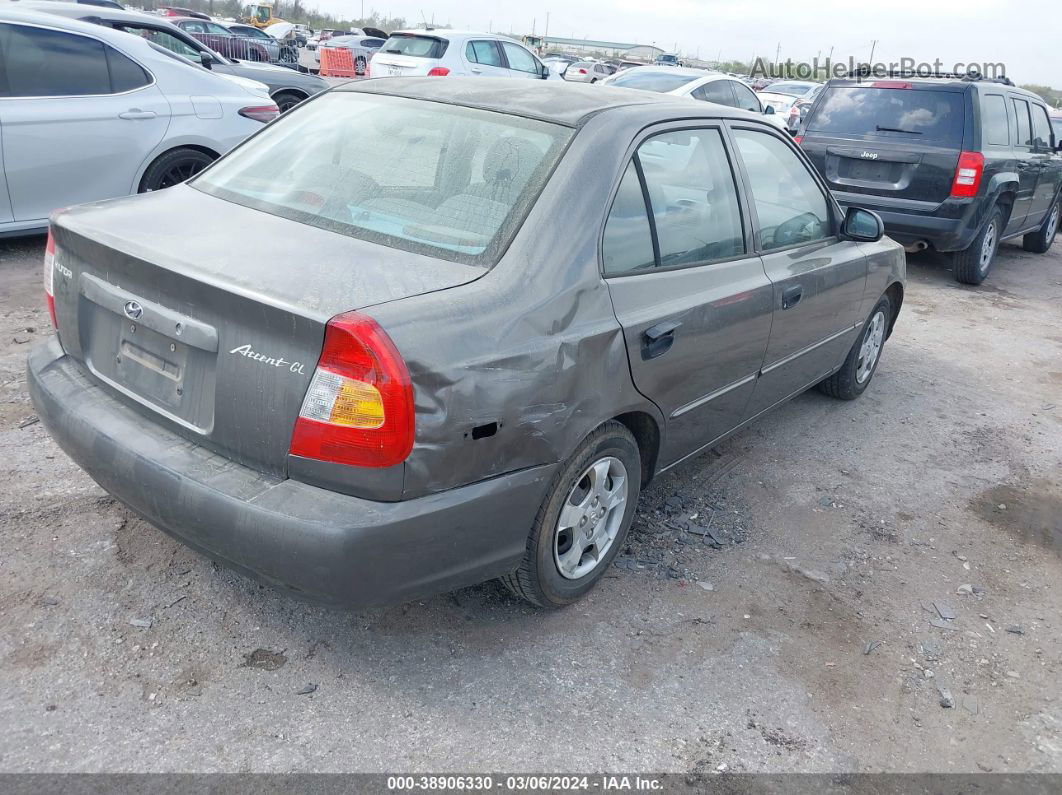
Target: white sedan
[(681, 81), (93, 113)]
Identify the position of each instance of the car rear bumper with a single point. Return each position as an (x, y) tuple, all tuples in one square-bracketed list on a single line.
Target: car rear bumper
[(315, 543), (948, 226)]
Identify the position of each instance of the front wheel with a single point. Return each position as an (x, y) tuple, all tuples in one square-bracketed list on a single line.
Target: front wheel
[(359, 66), (583, 520), (173, 168), (1040, 241), (853, 378)]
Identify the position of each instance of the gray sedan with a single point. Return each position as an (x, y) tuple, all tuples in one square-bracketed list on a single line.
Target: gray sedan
[(474, 374), (287, 87)]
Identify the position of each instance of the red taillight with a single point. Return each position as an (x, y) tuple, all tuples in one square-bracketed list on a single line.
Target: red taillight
[(262, 113), (582, 71), (891, 84), (968, 175), (438, 71), (358, 409), (49, 275), (797, 139)]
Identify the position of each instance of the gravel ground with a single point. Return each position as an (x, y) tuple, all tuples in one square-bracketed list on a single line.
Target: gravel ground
[(774, 609)]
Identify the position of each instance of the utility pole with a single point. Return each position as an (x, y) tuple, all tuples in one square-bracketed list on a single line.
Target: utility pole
[(546, 32), (777, 53)]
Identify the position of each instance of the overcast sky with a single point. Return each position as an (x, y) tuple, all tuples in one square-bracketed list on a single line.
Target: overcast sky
[(967, 31)]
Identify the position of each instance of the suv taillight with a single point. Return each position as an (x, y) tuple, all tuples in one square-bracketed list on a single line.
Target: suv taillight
[(967, 175), (49, 271), (358, 409), (438, 71)]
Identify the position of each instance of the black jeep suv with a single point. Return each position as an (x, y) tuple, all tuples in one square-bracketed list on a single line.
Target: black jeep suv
[(950, 163)]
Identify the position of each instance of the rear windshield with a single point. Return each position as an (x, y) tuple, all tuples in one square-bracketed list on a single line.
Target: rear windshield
[(653, 81), (442, 180), (900, 113), (415, 46)]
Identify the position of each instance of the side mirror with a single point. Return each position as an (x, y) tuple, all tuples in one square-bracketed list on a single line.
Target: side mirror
[(206, 59), (862, 226), (544, 72), (768, 111)]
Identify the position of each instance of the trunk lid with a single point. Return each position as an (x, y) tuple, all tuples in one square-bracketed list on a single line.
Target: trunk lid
[(217, 339), (894, 142)]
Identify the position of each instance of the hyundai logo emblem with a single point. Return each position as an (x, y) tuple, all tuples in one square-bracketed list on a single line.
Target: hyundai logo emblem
[(133, 309)]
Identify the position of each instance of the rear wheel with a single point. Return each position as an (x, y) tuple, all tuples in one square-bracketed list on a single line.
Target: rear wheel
[(286, 100), (173, 168), (1039, 241), (583, 521), (853, 378), (972, 264), (359, 66)]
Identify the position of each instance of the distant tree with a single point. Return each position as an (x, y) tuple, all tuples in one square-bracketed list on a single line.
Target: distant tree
[(1051, 96)]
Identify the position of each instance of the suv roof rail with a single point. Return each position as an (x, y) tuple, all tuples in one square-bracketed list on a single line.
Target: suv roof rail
[(864, 71)]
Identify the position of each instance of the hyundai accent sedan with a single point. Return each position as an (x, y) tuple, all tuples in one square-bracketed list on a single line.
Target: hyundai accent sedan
[(458, 344)]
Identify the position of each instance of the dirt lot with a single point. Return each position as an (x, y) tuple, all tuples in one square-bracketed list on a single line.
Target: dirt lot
[(839, 526)]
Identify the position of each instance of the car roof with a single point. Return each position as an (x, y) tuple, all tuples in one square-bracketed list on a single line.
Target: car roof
[(949, 83), (23, 12), (453, 33), (568, 104)]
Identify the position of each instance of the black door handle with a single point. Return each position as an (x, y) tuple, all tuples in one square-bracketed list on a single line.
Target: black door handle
[(658, 339), (791, 296)]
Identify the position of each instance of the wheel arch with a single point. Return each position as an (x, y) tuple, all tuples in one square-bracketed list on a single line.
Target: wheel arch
[(894, 292), (646, 432), (173, 145)]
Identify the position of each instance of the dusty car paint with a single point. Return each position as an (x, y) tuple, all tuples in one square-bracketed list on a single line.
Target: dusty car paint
[(511, 366)]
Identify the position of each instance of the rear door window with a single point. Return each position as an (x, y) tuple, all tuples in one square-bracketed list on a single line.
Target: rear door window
[(717, 91), (1023, 124), (483, 52), (38, 62), (995, 123), (628, 241), (895, 113), (790, 206), (746, 99), (692, 196)]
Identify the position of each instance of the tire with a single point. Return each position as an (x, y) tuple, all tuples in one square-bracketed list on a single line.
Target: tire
[(359, 66), (174, 167), (286, 100), (972, 264), (551, 574), (854, 377), (1040, 241)]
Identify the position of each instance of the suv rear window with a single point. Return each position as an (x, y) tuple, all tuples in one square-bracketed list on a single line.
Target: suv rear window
[(415, 46), (443, 180), (899, 113)]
